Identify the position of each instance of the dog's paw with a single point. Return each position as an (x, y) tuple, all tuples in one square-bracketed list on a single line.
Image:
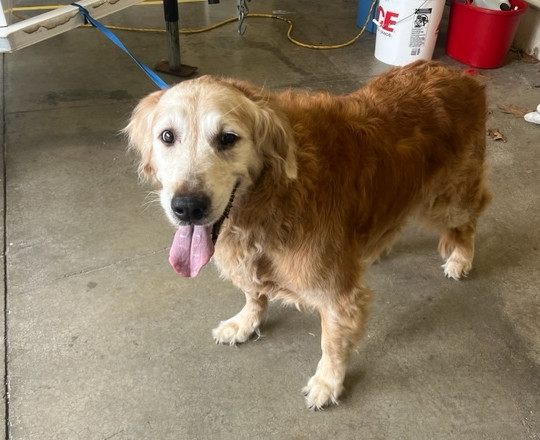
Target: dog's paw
[(320, 393), (234, 332), (457, 267)]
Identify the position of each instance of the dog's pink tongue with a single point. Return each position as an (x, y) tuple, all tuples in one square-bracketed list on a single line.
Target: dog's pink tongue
[(191, 249)]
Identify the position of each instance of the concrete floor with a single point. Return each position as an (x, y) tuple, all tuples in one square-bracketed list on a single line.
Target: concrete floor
[(105, 341)]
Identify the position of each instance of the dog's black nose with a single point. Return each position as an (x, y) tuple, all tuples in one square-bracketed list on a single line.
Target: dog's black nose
[(190, 208)]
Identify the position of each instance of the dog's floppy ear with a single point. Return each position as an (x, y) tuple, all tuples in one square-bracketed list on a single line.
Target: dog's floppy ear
[(273, 131), (139, 132), (277, 141)]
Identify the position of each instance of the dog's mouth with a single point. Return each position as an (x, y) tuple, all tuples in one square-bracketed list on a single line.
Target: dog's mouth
[(193, 245)]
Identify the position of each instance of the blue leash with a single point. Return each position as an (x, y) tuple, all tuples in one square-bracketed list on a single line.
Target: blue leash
[(153, 76)]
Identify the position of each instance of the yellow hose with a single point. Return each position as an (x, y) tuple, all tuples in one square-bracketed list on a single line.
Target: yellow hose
[(219, 24)]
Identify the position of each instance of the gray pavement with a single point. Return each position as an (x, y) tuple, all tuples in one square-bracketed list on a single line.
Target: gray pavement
[(105, 341)]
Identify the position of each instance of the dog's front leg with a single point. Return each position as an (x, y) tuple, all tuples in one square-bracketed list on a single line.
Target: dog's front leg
[(240, 327), (342, 326)]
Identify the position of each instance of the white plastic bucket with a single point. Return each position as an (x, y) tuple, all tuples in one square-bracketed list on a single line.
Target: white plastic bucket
[(407, 30)]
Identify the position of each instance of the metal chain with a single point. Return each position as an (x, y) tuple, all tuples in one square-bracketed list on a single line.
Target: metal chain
[(243, 10)]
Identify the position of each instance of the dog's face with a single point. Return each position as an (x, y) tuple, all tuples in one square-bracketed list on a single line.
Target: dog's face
[(205, 139)]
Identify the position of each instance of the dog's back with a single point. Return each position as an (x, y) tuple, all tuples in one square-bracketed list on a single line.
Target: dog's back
[(376, 155), (426, 97)]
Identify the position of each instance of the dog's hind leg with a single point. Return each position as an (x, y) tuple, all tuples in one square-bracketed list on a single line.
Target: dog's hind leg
[(456, 247), (454, 213), (245, 323), (456, 244), (342, 326)]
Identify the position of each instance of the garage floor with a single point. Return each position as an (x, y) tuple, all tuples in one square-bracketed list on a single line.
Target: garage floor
[(105, 341)]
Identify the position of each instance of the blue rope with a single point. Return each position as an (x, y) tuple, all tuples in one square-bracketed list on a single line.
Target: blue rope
[(153, 76)]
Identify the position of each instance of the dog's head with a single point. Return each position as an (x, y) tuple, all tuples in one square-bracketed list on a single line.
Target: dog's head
[(205, 141)]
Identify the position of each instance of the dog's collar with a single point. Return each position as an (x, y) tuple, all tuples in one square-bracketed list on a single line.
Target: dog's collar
[(217, 225)]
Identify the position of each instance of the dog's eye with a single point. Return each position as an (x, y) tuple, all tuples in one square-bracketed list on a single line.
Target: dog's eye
[(167, 137), (227, 140)]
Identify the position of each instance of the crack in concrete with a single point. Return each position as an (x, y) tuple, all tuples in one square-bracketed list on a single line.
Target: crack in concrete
[(107, 266)]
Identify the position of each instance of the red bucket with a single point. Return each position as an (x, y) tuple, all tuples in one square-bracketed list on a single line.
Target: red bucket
[(481, 37)]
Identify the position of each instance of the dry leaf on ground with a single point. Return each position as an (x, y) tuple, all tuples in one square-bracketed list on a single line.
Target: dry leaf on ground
[(520, 55), (496, 135), (518, 112)]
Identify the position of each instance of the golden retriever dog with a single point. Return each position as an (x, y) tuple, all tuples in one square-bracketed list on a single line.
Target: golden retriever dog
[(296, 194)]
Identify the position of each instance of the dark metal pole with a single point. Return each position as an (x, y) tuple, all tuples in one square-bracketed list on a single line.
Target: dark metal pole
[(170, 7), (173, 65)]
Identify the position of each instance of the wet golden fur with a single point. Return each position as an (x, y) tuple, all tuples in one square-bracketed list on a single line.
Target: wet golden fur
[(326, 184)]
